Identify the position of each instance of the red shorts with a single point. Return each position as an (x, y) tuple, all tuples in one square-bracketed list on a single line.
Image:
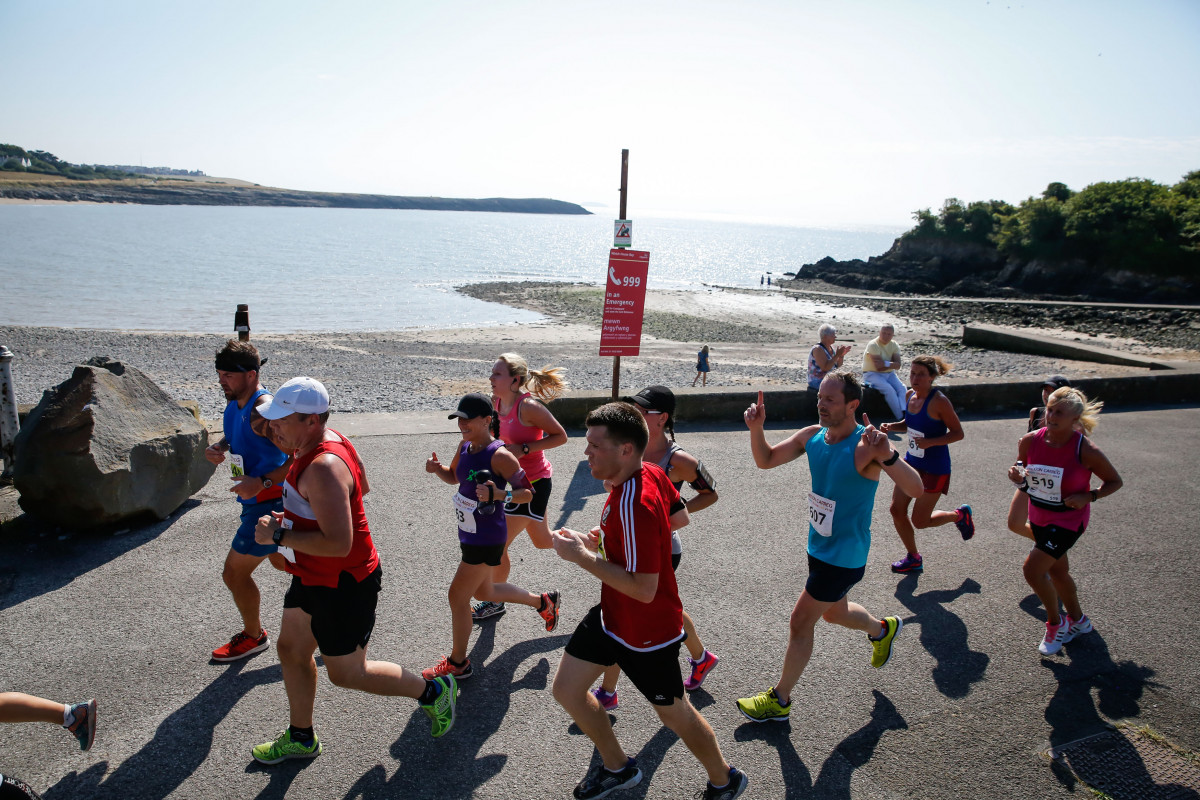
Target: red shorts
[(935, 484)]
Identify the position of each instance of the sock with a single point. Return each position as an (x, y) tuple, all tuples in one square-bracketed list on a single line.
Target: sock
[(778, 700), (882, 632), (542, 607), (301, 735), (68, 717), (431, 693), (457, 664)]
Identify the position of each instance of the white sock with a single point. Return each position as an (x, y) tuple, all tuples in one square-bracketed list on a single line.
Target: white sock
[(68, 717)]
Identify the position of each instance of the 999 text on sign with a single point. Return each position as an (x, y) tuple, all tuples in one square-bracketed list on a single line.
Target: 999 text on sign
[(624, 302)]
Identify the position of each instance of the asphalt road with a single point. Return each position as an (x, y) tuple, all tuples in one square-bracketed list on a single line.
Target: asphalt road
[(965, 709)]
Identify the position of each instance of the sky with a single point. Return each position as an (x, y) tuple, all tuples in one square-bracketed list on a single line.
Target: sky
[(802, 113)]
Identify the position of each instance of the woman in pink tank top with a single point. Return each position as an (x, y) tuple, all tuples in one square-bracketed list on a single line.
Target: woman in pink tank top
[(1054, 468)]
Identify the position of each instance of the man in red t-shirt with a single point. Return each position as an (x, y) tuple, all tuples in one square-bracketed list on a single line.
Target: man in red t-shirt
[(639, 621)]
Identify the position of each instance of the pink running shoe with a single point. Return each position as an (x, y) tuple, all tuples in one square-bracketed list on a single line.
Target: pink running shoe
[(607, 699), (700, 670), (1055, 636)]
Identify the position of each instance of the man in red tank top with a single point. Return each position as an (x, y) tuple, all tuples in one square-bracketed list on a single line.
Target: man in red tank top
[(336, 577)]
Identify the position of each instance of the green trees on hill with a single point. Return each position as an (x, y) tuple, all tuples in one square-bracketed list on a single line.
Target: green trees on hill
[(50, 164), (1134, 224)]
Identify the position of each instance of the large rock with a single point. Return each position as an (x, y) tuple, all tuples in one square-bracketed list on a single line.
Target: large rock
[(105, 445)]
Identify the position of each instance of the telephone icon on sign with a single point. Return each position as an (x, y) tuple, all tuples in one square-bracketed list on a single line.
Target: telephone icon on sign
[(612, 276)]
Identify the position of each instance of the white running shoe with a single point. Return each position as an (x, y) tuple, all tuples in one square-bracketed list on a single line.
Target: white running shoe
[(1077, 627), (1055, 636)]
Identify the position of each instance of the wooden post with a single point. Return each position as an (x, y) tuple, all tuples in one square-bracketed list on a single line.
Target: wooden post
[(9, 420), (241, 322), (616, 380)]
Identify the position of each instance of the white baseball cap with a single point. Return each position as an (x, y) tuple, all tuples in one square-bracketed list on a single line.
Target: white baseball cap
[(297, 396)]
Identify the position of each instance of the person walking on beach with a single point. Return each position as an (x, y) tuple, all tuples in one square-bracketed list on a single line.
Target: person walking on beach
[(702, 367), (845, 461), (932, 426), (325, 539), (78, 719), (258, 468), (656, 404), (481, 466), (880, 362), (1058, 463), (638, 624), (528, 429)]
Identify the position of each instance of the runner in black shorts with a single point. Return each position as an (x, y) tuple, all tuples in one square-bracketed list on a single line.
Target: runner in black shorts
[(828, 583), (342, 618), (655, 674)]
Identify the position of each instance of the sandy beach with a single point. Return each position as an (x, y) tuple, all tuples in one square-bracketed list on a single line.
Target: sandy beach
[(756, 338)]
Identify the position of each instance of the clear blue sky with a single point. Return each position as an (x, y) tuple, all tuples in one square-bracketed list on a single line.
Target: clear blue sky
[(792, 111)]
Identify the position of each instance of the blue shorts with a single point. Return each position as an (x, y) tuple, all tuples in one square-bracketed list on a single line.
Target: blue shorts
[(243, 540)]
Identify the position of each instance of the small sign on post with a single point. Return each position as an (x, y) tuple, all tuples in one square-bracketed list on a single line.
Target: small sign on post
[(624, 302), (622, 233)]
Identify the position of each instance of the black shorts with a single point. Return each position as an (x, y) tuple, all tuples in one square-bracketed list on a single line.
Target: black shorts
[(342, 618), (675, 558), (828, 583), (535, 508), (655, 673), (1054, 540), (489, 554)]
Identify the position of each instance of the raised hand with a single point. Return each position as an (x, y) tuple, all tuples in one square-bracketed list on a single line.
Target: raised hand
[(876, 440), (756, 414), (432, 464)]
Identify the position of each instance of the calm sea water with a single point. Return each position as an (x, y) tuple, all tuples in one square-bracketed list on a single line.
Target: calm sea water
[(185, 268)]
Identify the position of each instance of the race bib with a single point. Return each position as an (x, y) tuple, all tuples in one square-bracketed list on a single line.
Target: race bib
[(914, 443), (820, 513), (237, 465), (287, 552), (464, 512), (1045, 483)]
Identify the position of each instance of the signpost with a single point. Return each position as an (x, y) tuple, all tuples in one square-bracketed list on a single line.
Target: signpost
[(624, 303)]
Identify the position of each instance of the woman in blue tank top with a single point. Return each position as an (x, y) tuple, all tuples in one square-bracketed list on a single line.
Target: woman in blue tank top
[(931, 425)]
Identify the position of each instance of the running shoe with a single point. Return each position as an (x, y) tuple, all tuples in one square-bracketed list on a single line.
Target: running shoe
[(607, 699), (602, 783), (444, 668), (241, 646), (1055, 636), (965, 523), (910, 563), (285, 748), (83, 726), (486, 609), (881, 648), (1077, 627), (737, 784), (551, 605), (764, 707), (700, 670), (441, 711)]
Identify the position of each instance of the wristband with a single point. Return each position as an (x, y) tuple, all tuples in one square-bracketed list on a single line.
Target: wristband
[(277, 536), (1095, 495), (892, 460), (508, 496), (525, 448)]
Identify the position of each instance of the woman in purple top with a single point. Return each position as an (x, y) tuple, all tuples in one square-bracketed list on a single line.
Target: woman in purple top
[(480, 469)]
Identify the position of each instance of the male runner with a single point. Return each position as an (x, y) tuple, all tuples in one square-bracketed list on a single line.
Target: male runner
[(845, 460), (639, 621), (326, 542), (258, 467)]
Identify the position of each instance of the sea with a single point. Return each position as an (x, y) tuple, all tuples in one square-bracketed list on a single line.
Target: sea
[(185, 268)]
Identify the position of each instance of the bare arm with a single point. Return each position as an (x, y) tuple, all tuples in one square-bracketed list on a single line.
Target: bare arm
[(768, 456), (505, 465), (874, 448), (327, 485), (535, 415), (571, 546), (684, 466), (446, 473), (1095, 460), (942, 409)]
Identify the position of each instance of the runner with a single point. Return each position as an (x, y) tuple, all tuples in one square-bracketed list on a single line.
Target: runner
[(1018, 508), (481, 466), (638, 623), (657, 406), (844, 461), (326, 542), (932, 425), (258, 468), (1059, 461), (528, 430)]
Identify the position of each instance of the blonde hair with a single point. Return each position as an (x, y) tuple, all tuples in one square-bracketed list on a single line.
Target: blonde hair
[(1087, 411), (934, 364), (545, 384)]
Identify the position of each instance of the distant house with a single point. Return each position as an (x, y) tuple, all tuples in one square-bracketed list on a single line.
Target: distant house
[(24, 162)]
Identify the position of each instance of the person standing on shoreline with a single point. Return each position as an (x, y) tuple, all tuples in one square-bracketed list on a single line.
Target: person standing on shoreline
[(325, 539), (702, 367), (932, 426), (880, 362), (845, 461), (258, 467), (638, 623), (528, 429)]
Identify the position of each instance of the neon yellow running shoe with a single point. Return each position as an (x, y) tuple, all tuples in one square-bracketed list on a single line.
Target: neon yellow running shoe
[(764, 707), (441, 710), (882, 647), (284, 748)]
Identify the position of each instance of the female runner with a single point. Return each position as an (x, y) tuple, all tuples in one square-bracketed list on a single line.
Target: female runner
[(932, 425), (480, 467)]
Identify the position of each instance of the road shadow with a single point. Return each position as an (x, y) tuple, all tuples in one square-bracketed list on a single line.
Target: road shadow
[(179, 746), (581, 486), (944, 635), (38, 559), (833, 778)]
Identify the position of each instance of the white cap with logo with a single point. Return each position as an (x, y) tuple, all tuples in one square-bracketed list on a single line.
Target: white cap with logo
[(297, 396)]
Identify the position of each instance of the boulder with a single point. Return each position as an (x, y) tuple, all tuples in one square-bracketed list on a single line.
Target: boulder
[(106, 445)]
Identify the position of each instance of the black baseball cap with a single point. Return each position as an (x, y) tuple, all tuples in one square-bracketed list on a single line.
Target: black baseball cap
[(1056, 381), (471, 406), (655, 398)]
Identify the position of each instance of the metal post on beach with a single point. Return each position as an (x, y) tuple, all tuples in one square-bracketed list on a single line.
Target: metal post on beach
[(9, 422), (241, 322), (616, 380)]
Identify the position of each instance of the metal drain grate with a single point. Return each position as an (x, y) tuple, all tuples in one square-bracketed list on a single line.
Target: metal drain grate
[(1127, 764)]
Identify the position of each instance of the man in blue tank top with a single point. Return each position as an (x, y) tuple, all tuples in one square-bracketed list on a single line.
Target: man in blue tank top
[(845, 460), (258, 468)]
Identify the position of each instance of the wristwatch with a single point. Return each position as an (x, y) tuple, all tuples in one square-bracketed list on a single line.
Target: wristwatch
[(267, 482), (892, 458), (525, 448), (277, 536), (1095, 495)]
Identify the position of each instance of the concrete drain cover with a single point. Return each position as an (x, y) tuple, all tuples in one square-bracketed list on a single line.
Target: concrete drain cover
[(1127, 764)]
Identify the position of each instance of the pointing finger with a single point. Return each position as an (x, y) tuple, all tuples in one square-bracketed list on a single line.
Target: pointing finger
[(760, 398), (866, 420)]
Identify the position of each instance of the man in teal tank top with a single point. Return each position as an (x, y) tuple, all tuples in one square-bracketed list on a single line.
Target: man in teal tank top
[(845, 460)]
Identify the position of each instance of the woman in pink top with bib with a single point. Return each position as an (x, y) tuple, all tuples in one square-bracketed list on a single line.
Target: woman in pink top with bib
[(528, 430)]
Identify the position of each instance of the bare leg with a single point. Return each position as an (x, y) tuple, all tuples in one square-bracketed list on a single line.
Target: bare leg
[(1064, 584), (694, 645), (924, 515), (571, 684), (1037, 575), (800, 643), (353, 671), (238, 576), (899, 512), (611, 674), (21, 707), (539, 534), (1018, 515), (468, 582), (296, 645), (683, 718)]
